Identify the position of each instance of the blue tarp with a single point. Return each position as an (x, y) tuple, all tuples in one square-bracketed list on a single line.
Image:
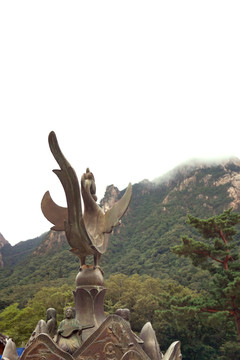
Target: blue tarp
[(19, 351)]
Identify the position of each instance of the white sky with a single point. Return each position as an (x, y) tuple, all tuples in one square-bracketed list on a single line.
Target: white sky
[(131, 88)]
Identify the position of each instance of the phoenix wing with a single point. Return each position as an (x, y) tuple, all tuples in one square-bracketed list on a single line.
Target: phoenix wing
[(72, 223), (113, 215)]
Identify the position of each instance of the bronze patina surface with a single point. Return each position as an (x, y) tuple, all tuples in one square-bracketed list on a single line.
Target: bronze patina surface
[(86, 333), (69, 333), (88, 232), (43, 348), (112, 340)]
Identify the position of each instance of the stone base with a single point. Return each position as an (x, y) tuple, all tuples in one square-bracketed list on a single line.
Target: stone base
[(89, 298), (113, 340), (89, 275)]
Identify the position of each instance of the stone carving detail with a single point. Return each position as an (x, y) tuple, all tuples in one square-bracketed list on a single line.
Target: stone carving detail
[(45, 327), (109, 351), (51, 319), (41, 328), (69, 334), (112, 340), (122, 336), (125, 314), (43, 348)]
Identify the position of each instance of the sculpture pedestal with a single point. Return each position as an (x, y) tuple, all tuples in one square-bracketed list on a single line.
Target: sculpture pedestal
[(89, 299)]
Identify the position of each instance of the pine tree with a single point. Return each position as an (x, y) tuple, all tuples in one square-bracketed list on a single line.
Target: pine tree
[(216, 253)]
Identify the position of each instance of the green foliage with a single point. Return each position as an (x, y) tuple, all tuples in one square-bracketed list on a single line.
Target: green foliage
[(140, 246), (20, 283), (20, 323), (219, 258), (155, 219), (136, 293), (173, 311), (230, 351), (14, 254)]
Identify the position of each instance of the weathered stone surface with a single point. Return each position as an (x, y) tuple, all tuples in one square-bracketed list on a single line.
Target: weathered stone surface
[(89, 299), (113, 340), (173, 352), (150, 346), (43, 348), (69, 333), (10, 351)]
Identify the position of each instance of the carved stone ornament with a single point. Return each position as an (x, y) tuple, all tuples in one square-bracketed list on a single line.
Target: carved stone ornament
[(89, 304), (150, 343), (113, 340), (43, 348), (173, 352)]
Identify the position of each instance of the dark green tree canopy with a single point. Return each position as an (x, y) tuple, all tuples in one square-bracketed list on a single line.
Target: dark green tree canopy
[(220, 231), (216, 254)]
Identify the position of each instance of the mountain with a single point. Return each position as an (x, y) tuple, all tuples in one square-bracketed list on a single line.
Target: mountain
[(156, 218), (12, 255), (3, 242), (154, 222)]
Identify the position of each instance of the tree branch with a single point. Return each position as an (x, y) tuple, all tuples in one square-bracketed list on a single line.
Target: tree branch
[(222, 236), (215, 310), (207, 254)]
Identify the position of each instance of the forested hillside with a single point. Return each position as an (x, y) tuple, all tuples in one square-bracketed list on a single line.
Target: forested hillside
[(170, 288), (154, 222)]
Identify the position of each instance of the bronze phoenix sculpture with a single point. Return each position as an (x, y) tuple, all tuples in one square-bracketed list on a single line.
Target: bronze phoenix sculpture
[(87, 233)]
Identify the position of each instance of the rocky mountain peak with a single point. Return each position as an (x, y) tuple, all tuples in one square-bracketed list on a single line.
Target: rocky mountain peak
[(110, 197), (3, 242), (187, 169), (53, 241), (214, 173)]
